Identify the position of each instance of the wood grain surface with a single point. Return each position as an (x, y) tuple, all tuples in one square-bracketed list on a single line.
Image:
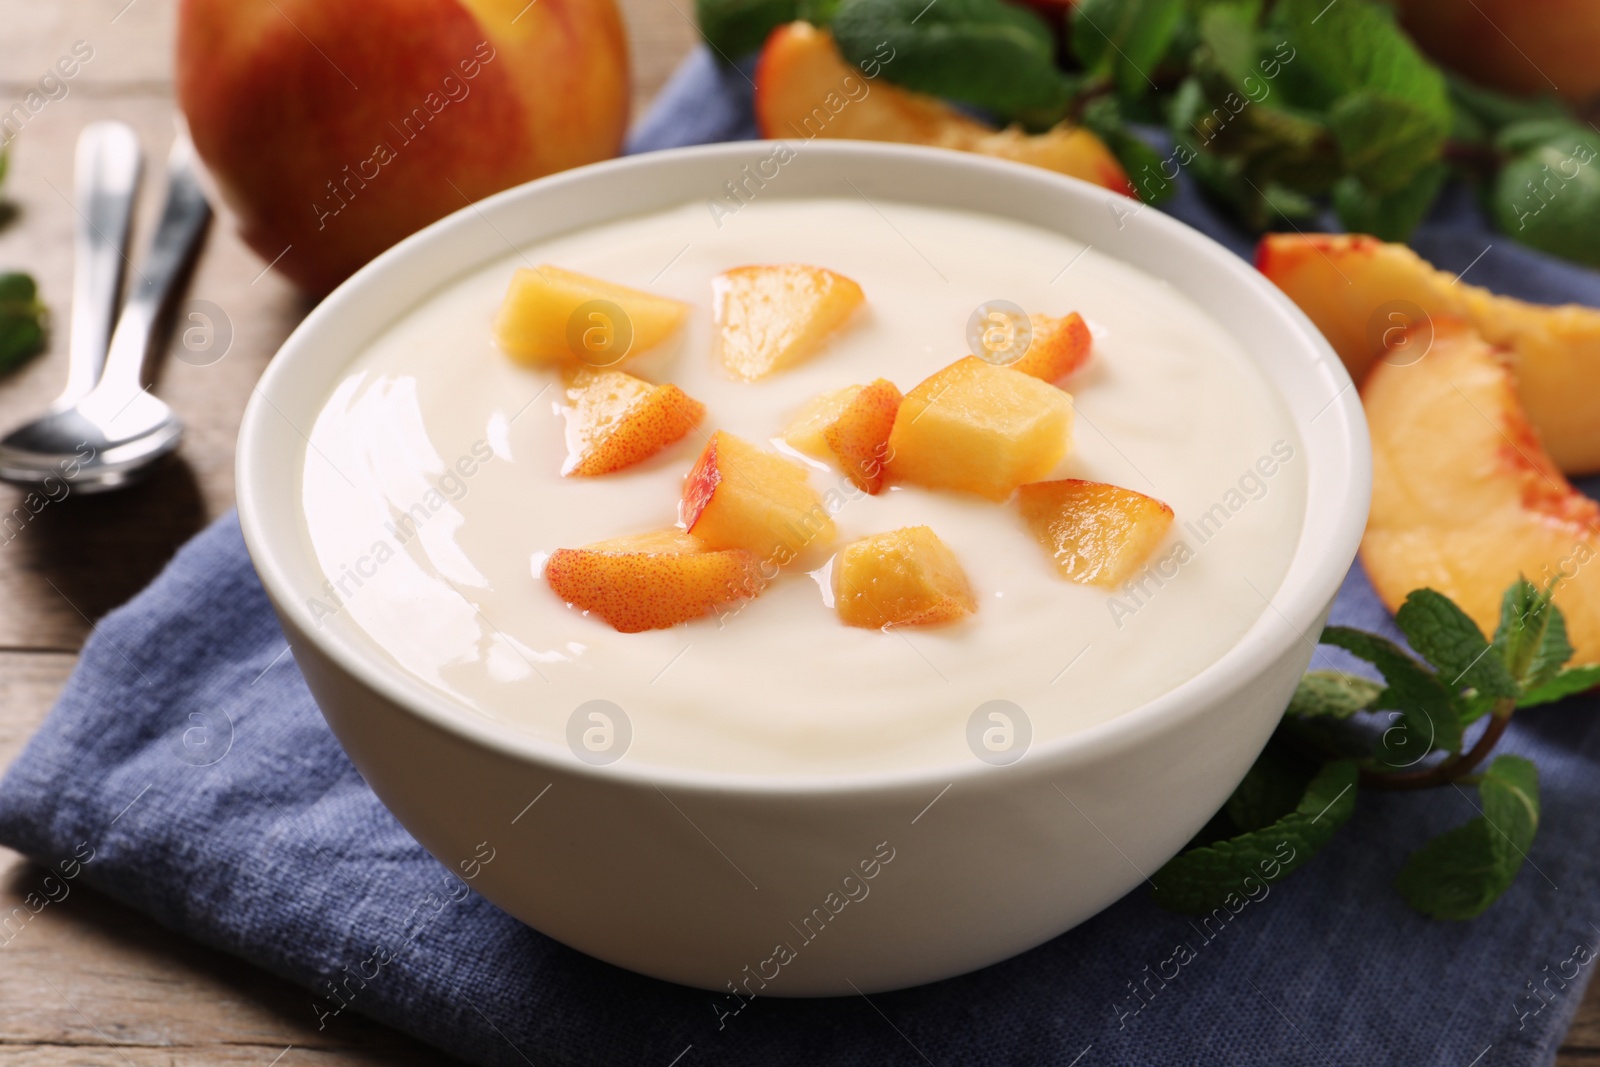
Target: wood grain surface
[(87, 981)]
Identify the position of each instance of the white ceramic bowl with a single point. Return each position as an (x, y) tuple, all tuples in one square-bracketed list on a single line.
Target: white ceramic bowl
[(724, 881)]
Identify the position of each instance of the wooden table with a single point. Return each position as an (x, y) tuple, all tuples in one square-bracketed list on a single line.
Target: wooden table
[(88, 981)]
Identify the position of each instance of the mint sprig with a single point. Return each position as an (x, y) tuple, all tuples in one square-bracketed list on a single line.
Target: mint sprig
[(1411, 733), (23, 318)]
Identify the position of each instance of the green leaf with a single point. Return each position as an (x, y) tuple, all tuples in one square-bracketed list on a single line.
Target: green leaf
[(1124, 39), (1566, 683), (1532, 635), (1461, 872), (1271, 789), (1355, 45), (1548, 195), (1428, 722), (735, 28), (1227, 31), (1452, 642), (1332, 694), (22, 321), (1393, 216), (1385, 140), (987, 53), (1203, 879), (1143, 164), (1495, 111)]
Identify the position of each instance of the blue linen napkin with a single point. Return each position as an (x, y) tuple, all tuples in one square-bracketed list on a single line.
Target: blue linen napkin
[(187, 772)]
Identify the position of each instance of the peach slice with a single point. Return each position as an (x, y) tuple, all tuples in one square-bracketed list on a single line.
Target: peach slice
[(1060, 346), (1097, 534), (1465, 498), (616, 420), (807, 431), (805, 90), (1363, 293), (860, 435), (538, 320), (770, 317), (741, 496), (651, 581), (906, 577), (851, 425), (980, 428)]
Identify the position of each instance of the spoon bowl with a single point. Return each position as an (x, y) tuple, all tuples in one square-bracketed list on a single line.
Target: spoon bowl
[(114, 433), (93, 450)]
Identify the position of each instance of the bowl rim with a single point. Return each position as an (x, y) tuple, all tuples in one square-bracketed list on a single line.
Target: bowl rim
[(1256, 650)]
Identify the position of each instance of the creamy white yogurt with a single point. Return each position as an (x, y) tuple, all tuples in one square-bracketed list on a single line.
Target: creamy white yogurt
[(432, 492)]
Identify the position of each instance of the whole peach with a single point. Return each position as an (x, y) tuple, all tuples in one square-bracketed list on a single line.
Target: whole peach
[(335, 129)]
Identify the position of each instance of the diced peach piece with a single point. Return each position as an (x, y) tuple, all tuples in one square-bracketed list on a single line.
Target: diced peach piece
[(980, 428), (906, 577), (651, 581), (739, 495), (1097, 534), (807, 430), (1363, 293), (1059, 347), (771, 317), (851, 425), (1464, 496), (801, 71), (617, 420), (535, 324), (860, 435)]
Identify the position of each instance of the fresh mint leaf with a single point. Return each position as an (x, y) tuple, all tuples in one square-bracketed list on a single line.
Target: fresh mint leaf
[(1332, 694), (22, 321), (987, 53), (1428, 718), (1461, 872), (1124, 39), (1143, 164), (1532, 635), (1523, 622), (1447, 638), (1203, 879), (1271, 789), (1385, 140), (1389, 107), (1548, 195), (1495, 111), (1352, 46), (735, 28), (1228, 33), (1566, 683), (1392, 216)]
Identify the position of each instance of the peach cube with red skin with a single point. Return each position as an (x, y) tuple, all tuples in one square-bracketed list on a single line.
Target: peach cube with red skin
[(851, 425), (739, 495), (1060, 347), (1095, 533), (652, 581), (617, 420), (906, 577), (980, 428), (771, 317)]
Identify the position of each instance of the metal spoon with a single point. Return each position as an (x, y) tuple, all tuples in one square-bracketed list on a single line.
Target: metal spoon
[(107, 179), (111, 435)]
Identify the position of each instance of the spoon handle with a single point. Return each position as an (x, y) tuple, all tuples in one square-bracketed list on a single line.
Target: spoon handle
[(107, 182), (155, 286)]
